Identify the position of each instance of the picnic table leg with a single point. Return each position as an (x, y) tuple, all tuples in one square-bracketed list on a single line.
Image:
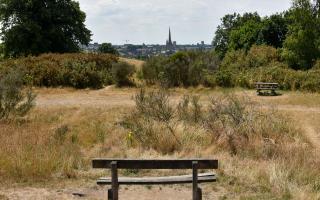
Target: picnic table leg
[(114, 179), (194, 180)]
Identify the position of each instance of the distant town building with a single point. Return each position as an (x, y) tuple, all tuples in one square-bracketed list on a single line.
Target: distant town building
[(144, 51)]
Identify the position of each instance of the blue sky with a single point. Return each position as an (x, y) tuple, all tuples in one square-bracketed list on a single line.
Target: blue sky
[(147, 21)]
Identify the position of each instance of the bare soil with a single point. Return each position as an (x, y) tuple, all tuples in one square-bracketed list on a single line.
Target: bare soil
[(97, 193)]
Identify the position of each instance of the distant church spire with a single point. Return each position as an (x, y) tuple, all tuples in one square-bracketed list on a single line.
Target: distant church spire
[(170, 41), (169, 44)]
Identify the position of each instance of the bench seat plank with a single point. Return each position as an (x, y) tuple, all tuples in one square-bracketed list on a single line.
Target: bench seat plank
[(154, 164), (202, 178)]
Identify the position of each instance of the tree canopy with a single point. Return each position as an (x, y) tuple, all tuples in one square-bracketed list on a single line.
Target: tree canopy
[(107, 48), (302, 47), (42, 26), (296, 32)]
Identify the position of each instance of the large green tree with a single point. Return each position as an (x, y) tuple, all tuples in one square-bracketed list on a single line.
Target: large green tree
[(274, 29), (230, 23), (242, 31), (302, 47), (245, 36), (221, 39), (42, 26)]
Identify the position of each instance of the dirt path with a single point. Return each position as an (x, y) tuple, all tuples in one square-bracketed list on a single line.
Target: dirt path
[(97, 193), (89, 98)]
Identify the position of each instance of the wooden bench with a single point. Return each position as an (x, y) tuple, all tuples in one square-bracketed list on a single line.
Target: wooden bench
[(194, 164), (272, 87)]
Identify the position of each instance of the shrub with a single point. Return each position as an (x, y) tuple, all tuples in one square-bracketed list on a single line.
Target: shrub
[(233, 123), (234, 60), (14, 100), (122, 73), (74, 70), (316, 65), (108, 48), (152, 69), (154, 105), (242, 127), (311, 82), (152, 122), (223, 78), (189, 109), (261, 55), (180, 69)]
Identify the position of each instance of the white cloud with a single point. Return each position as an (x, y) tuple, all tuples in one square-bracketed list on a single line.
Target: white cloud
[(148, 20)]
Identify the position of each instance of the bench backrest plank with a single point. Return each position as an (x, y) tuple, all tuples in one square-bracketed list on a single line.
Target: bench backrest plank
[(154, 164)]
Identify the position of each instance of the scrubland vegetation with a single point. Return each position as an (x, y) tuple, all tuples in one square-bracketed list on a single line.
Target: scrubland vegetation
[(237, 69), (264, 153), (71, 70)]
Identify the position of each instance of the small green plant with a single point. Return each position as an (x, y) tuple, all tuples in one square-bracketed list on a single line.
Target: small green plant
[(15, 101)]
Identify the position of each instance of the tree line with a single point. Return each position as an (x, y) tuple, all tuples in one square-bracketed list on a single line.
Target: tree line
[(294, 32)]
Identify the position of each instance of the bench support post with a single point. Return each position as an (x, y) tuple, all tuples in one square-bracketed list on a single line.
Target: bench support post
[(114, 176), (194, 180), (109, 194), (199, 194)]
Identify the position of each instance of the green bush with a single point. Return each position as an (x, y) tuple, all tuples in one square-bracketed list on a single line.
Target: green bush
[(223, 78), (234, 60), (263, 64), (311, 81), (261, 56), (152, 69), (14, 100), (122, 73), (74, 70), (316, 65), (189, 68)]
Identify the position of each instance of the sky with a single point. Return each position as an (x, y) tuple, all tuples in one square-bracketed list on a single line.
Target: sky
[(148, 21)]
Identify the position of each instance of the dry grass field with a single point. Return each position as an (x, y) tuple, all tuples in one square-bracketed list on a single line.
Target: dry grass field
[(137, 63), (47, 154)]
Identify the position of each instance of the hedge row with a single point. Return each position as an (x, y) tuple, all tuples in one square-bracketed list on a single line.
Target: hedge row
[(78, 70)]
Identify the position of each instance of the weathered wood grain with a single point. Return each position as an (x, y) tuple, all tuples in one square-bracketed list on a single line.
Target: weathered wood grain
[(168, 180), (102, 163)]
